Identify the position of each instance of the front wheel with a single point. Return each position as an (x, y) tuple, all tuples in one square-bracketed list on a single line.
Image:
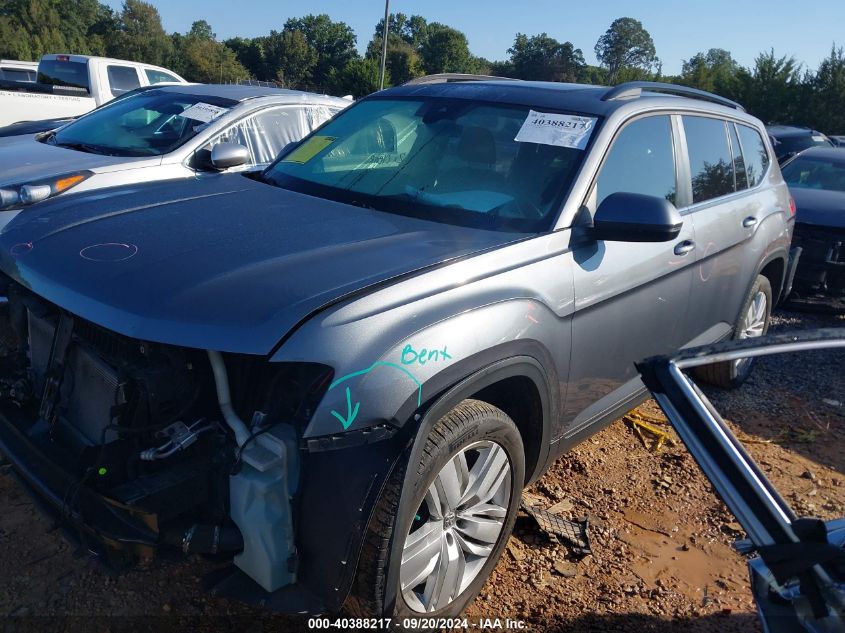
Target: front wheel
[(753, 322), (464, 494)]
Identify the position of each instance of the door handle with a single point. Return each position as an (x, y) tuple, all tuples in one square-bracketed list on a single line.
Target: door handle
[(749, 222), (682, 248)]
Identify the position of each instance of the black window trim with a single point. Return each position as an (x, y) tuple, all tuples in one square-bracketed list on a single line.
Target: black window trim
[(697, 206), (733, 157)]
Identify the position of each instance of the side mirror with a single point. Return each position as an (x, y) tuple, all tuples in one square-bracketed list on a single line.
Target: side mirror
[(226, 155), (633, 217)]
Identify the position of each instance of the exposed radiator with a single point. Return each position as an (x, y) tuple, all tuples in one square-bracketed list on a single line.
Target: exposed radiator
[(89, 387)]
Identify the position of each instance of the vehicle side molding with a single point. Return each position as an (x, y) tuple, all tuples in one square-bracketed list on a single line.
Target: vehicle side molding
[(634, 217)]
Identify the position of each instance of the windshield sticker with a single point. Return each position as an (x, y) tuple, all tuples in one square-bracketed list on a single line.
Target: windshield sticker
[(563, 130), (309, 149), (818, 138), (204, 112)]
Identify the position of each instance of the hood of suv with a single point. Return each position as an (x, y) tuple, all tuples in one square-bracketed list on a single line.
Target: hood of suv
[(23, 160), (225, 263)]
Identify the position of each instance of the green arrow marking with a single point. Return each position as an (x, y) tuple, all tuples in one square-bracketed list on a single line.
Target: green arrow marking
[(351, 413)]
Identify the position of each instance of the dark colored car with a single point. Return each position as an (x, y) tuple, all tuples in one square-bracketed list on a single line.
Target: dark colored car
[(788, 140), (343, 370), (798, 573), (23, 128), (816, 179)]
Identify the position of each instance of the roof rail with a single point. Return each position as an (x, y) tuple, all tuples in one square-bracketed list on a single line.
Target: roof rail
[(633, 89), (443, 78)]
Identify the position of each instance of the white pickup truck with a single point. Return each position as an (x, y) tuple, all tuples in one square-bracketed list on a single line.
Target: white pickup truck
[(16, 70), (71, 85)]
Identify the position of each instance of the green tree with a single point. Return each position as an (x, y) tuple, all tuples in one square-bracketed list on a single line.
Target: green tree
[(199, 57), (769, 90), (334, 42), (31, 28), (403, 62), (412, 29), (140, 36), (296, 59), (714, 71), (202, 30), (250, 53), (444, 50), (359, 78), (543, 58), (828, 94), (626, 44)]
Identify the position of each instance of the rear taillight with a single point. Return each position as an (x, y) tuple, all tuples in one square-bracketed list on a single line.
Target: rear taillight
[(791, 206)]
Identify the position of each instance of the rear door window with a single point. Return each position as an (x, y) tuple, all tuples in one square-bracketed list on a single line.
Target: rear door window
[(17, 74), (63, 73), (755, 154), (122, 79), (641, 160), (160, 77), (711, 162)]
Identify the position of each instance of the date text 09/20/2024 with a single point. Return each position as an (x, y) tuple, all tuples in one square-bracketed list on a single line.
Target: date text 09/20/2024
[(410, 624)]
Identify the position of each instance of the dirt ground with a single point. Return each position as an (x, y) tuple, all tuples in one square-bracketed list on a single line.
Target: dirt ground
[(661, 538)]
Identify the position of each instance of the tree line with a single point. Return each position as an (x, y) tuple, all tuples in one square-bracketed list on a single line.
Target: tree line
[(317, 53)]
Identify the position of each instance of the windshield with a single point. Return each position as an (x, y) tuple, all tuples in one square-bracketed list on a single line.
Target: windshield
[(453, 161), (150, 123), (815, 173), (795, 144)]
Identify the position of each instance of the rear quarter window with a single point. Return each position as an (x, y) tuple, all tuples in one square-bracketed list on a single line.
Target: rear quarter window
[(754, 153), (58, 73), (711, 163)]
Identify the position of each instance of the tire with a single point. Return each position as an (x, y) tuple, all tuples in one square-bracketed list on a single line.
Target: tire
[(753, 321), (483, 434)]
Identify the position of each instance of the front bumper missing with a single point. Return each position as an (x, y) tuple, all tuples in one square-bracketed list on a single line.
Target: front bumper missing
[(822, 265), (338, 492), (118, 533)]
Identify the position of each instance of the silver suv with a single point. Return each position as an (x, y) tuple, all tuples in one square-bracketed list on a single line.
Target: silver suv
[(342, 371)]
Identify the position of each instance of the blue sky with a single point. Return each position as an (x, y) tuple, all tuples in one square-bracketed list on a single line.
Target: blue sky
[(680, 29)]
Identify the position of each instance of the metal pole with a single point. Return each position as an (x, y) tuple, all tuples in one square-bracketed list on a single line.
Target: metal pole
[(384, 42)]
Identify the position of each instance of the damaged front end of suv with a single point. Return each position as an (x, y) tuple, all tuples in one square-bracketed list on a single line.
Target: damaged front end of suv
[(137, 446)]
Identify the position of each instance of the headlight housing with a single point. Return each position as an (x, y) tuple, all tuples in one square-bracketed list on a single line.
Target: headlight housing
[(25, 194)]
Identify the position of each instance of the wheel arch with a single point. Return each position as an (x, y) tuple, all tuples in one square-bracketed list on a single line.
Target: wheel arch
[(773, 267)]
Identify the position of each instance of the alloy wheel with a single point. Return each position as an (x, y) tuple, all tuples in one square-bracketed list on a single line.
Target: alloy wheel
[(456, 527), (754, 325)]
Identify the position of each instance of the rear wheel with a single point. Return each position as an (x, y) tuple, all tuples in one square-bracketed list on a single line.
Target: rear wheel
[(753, 322), (464, 494)]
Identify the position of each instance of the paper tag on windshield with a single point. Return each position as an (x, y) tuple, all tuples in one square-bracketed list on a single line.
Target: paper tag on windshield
[(204, 112), (818, 138), (309, 149), (563, 130)]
